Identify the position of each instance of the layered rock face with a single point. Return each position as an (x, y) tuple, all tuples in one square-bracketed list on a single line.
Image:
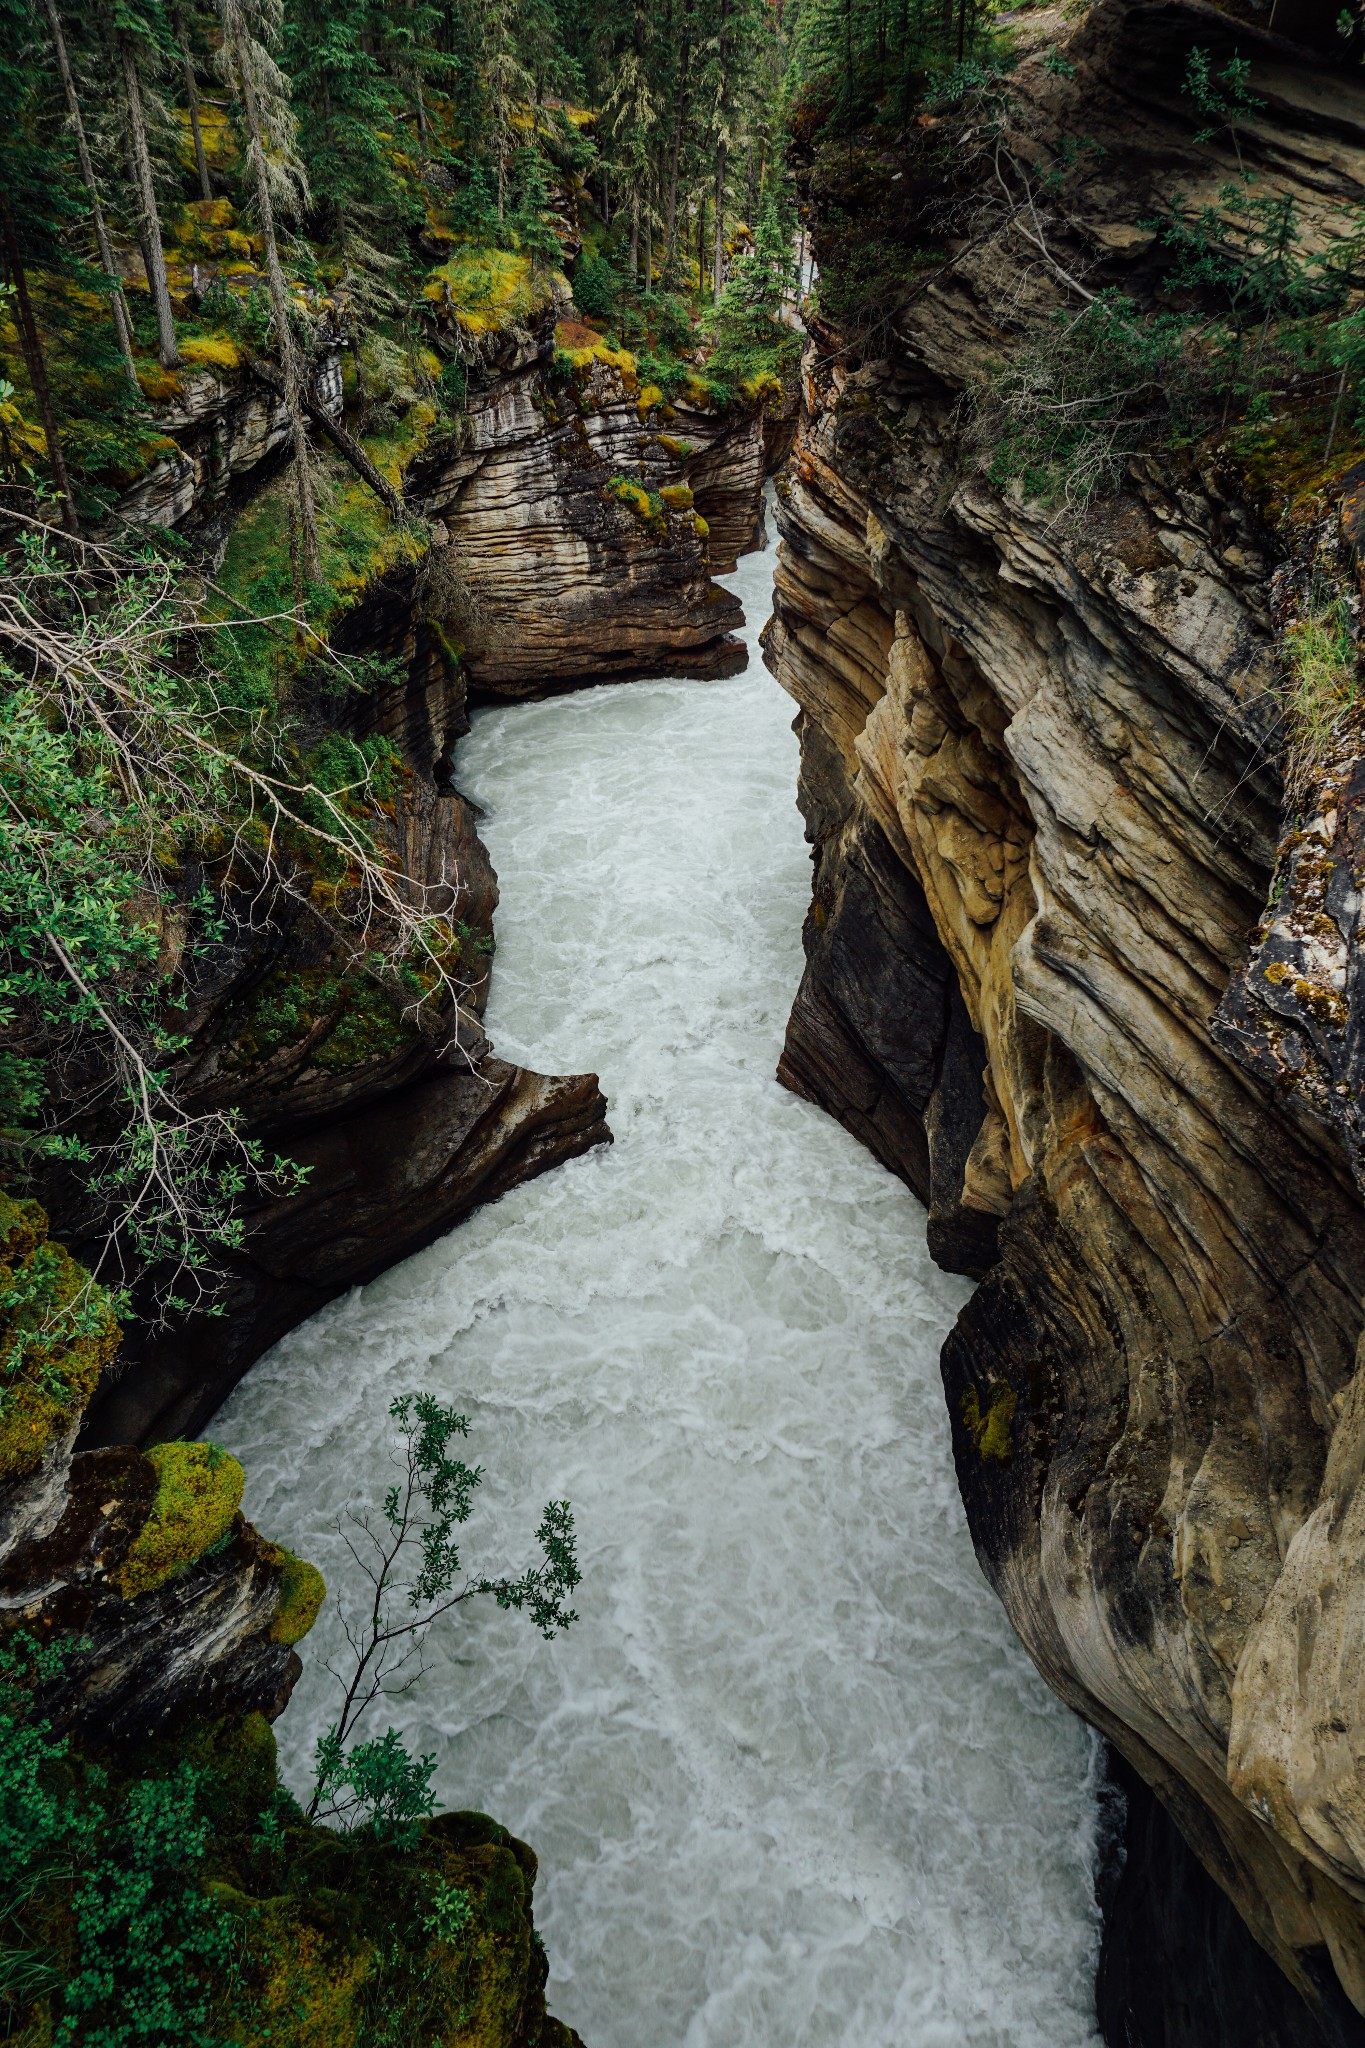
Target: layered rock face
[(567, 579), (397, 1145), (1038, 775), (576, 521)]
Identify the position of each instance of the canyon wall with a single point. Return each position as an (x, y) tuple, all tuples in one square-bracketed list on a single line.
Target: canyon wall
[(568, 525), (1039, 777)]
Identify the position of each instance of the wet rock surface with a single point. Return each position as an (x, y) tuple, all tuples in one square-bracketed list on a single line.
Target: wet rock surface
[(1039, 780)]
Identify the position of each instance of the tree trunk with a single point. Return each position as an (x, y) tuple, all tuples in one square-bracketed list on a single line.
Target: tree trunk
[(192, 102), (722, 146), (341, 439), (675, 145), (279, 306), (701, 241), (123, 326), (634, 236), (151, 223), (649, 238), (32, 343)]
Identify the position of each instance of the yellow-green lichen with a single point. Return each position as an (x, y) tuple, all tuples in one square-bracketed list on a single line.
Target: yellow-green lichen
[(989, 1427), (638, 501), (302, 1592), (57, 1333), (677, 497), (488, 290), (650, 396), (211, 352), (198, 1492), (700, 527)]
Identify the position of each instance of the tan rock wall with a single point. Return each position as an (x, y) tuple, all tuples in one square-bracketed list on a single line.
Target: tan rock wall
[(1059, 734)]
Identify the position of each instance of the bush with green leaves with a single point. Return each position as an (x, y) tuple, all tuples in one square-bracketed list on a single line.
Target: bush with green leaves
[(1063, 415), (147, 820), (410, 1560)]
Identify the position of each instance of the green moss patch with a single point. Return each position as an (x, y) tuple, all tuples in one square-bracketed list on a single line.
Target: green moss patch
[(989, 1426), (486, 291), (302, 1592), (58, 1331), (198, 1492)]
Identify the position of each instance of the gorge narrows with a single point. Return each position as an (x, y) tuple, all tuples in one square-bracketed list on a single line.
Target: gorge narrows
[(791, 1778)]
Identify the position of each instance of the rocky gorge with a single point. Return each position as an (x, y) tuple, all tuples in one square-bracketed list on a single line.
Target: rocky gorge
[(538, 574), (1039, 773)]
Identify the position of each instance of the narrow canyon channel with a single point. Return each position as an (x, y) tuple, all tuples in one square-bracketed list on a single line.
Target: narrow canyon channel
[(792, 1781)]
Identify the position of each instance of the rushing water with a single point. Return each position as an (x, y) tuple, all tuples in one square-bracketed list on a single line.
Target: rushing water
[(791, 1780)]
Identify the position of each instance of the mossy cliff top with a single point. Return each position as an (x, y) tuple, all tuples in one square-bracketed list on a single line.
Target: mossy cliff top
[(57, 1333), (162, 1885)]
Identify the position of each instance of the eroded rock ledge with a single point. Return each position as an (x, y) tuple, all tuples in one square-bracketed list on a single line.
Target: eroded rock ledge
[(1038, 780), (545, 570)]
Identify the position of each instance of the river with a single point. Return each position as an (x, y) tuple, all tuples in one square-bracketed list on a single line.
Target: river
[(791, 1779)]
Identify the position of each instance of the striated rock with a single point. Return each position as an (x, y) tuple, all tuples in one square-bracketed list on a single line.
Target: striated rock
[(398, 1145), (212, 1637), (1038, 775), (567, 580)]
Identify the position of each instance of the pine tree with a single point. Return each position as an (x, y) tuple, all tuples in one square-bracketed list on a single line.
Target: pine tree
[(261, 92), (36, 206), (136, 31), (201, 162), (117, 305)]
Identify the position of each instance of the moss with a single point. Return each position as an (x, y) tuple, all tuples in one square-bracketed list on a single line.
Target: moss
[(359, 543), (58, 1331), (198, 1492), (766, 384), (672, 445), (637, 500), (211, 352), (989, 1427), (650, 396), (302, 1592), (700, 527), (355, 1020), (159, 386), (677, 497), (578, 347), (486, 291)]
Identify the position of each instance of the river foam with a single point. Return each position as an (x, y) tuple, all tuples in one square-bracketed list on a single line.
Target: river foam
[(791, 1780)]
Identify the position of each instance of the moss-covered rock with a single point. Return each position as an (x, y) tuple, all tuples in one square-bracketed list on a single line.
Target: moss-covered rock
[(989, 1424), (58, 1331), (302, 1592), (199, 1490)]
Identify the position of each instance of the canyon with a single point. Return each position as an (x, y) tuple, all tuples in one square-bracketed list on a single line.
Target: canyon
[(1067, 975), (1039, 776)]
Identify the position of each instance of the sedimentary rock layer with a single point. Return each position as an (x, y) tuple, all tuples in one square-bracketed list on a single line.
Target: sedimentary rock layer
[(1038, 774)]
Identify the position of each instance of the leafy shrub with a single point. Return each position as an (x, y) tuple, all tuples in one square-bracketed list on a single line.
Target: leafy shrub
[(1064, 413)]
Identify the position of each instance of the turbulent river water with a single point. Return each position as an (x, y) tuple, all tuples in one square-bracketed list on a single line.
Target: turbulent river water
[(791, 1780)]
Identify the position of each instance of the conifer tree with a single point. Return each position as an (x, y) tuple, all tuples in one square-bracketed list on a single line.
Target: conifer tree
[(136, 29), (201, 162), (35, 207), (117, 305), (249, 26)]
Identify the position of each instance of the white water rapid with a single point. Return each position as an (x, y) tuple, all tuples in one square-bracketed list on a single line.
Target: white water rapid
[(791, 1780)]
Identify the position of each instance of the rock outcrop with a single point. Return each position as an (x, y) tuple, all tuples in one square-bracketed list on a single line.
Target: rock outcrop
[(1038, 772), (587, 517), (573, 524)]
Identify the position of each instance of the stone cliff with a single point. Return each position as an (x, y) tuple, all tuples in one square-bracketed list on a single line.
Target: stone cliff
[(147, 1640), (1039, 773), (566, 527)]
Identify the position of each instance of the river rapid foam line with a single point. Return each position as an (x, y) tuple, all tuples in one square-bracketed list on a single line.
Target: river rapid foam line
[(791, 1779)]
